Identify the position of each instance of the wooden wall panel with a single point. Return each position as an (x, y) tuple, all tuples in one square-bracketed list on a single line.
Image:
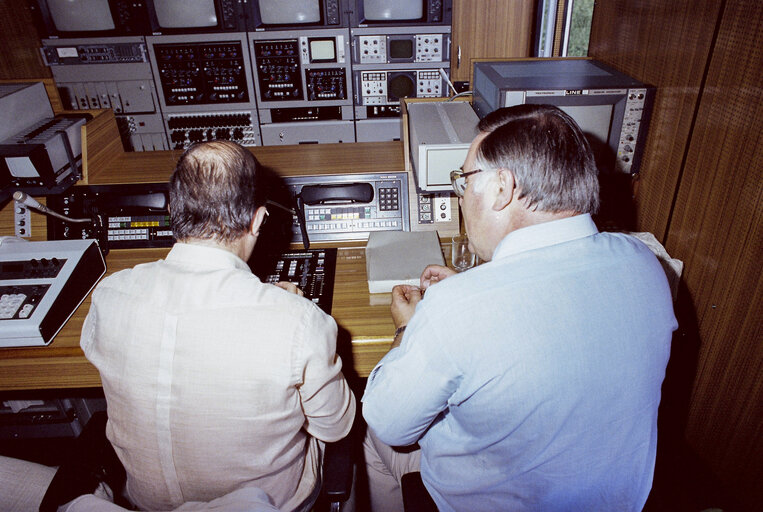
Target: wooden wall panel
[(665, 44), (701, 192), (717, 229), (20, 56)]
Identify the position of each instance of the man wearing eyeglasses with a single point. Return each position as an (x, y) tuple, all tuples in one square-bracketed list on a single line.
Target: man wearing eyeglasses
[(214, 380), (532, 381)]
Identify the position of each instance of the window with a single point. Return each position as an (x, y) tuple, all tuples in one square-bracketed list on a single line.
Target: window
[(564, 28)]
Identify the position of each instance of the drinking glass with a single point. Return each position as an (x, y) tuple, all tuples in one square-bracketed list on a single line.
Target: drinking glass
[(461, 257)]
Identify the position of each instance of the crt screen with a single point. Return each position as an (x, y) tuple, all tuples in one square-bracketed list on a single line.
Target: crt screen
[(322, 49), (186, 13), (391, 10), (284, 12), (401, 48), (81, 15), (594, 120)]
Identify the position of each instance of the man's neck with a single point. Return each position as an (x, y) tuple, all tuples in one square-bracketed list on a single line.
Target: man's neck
[(527, 217), (237, 247)]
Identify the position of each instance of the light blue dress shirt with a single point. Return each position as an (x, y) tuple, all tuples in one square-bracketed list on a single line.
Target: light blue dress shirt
[(532, 382)]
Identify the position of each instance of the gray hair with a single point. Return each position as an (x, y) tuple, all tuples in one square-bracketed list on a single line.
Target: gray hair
[(551, 160)]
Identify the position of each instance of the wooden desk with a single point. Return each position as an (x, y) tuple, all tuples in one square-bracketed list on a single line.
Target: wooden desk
[(365, 330)]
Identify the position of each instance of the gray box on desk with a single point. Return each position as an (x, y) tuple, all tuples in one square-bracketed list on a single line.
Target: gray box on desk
[(439, 137)]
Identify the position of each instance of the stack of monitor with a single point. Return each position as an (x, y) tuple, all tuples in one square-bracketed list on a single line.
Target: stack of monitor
[(258, 72)]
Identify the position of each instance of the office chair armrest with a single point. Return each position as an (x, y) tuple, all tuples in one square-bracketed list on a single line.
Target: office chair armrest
[(93, 461), (337, 470)]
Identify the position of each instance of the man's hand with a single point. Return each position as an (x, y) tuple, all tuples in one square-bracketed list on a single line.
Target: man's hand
[(433, 274), (404, 300), (290, 287)]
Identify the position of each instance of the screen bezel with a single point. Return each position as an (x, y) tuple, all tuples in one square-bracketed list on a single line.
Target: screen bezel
[(359, 19), (240, 21), (311, 40), (392, 39), (256, 24), (46, 27)]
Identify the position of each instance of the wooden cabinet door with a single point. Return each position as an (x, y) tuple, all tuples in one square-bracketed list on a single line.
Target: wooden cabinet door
[(485, 29)]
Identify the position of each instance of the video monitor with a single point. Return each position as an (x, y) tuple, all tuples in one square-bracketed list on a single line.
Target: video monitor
[(186, 13), (81, 15), (393, 10), (290, 12), (322, 50)]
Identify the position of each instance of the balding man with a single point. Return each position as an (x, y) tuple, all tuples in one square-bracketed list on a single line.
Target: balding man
[(214, 380)]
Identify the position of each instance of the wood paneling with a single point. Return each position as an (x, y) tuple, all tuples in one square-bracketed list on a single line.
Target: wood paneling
[(701, 192), (665, 44), (717, 230), (488, 29), (20, 56)]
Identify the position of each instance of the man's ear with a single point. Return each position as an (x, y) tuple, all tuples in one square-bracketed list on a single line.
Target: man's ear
[(257, 220), (506, 189)]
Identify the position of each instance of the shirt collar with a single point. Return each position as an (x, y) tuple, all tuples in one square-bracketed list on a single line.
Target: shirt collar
[(205, 256), (546, 234)]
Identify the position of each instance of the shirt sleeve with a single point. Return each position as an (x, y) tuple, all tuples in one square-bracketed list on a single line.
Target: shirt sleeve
[(327, 401), (411, 386), (88, 331)]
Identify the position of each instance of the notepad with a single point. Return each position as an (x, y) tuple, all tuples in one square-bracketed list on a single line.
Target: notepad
[(399, 257)]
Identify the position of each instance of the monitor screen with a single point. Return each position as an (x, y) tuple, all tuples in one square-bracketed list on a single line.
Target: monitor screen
[(81, 15), (283, 12), (186, 13), (393, 10), (594, 121), (401, 48), (322, 50)]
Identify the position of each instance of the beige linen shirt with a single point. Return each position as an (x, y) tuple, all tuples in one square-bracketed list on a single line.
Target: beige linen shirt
[(214, 380)]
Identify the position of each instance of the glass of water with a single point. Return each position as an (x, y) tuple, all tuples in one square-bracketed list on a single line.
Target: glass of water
[(461, 257)]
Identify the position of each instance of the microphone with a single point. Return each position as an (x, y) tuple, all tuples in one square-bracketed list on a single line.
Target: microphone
[(26, 199)]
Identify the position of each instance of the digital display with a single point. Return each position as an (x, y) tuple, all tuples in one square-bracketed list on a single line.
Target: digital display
[(283, 12), (393, 10), (81, 15), (322, 50), (401, 48), (186, 13)]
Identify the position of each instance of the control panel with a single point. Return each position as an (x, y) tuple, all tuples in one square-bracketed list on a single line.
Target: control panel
[(338, 216), (634, 111), (41, 284), (114, 73), (386, 87), (238, 126), (279, 65), (123, 216), (278, 70), (386, 47), (202, 73), (326, 84), (312, 270), (94, 53)]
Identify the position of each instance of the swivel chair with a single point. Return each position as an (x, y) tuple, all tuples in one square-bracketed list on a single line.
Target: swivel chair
[(96, 461), (416, 498)]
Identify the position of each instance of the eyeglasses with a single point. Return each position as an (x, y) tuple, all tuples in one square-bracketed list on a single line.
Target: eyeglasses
[(458, 180)]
